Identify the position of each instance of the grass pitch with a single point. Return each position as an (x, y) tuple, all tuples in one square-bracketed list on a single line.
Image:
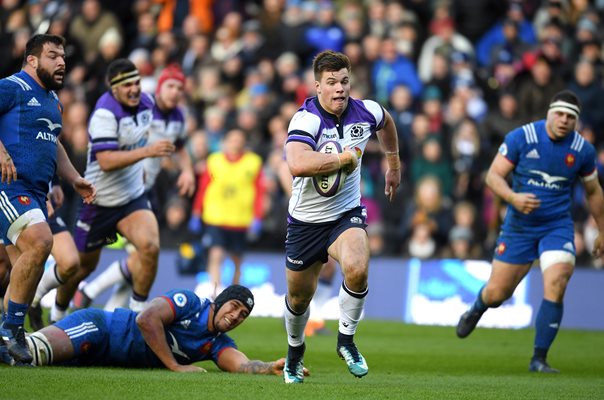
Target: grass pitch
[(405, 362)]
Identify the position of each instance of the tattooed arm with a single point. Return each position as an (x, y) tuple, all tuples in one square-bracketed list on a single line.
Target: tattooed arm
[(232, 360)]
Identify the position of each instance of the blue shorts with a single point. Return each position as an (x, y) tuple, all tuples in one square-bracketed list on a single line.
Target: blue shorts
[(307, 243), (525, 246), (89, 334), (97, 226), (14, 204), (57, 225), (233, 241)]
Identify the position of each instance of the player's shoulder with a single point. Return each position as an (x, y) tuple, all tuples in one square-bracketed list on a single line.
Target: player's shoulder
[(308, 115), (16, 81), (147, 101), (528, 133), (581, 145), (182, 297)]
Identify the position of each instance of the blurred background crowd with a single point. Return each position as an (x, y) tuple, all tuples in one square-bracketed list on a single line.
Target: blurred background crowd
[(456, 75)]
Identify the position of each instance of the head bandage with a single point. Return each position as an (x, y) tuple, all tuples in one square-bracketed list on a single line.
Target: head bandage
[(565, 107), (124, 77)]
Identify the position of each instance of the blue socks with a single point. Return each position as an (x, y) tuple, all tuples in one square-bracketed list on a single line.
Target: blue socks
[(479, 305), (547, 325), (15, 314)]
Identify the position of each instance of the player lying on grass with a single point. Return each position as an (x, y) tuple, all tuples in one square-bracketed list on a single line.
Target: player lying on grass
[(174, 331)]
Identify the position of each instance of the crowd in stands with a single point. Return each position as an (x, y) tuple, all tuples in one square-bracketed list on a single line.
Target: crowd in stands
[(456, 75)]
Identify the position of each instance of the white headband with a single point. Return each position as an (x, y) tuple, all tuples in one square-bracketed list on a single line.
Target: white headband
[(565, 107)]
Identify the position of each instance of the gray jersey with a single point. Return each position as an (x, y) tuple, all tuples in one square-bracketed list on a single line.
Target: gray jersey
[(114, 127), (313, 125)]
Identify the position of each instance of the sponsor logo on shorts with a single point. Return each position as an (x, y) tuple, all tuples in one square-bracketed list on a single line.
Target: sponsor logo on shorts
[(356, 220), (297, 262), (83, 225)]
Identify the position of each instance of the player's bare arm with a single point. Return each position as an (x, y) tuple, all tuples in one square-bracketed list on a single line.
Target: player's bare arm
[(67, 171), (304, 161), (233, 360), (110, 160), (9, 172), (496, 180), (389, 141), (595, 201), (151, 323), (186, 179)]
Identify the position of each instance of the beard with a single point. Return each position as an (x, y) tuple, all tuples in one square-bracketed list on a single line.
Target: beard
[(47, 79)]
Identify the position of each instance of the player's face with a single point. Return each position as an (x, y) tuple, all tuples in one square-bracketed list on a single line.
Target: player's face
[(333, 91), (51, 66), (170, 94), (128, 94), (230, 316), (560, 124)]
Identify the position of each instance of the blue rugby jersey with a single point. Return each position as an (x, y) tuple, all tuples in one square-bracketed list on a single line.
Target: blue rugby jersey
[(548, 169), (187, 336), (30, 123)]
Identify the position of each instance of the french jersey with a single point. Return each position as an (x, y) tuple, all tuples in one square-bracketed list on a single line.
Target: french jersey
[(188, 336), (30, 123), (113, 126), (313, 125), (547, 168), (170, 126)]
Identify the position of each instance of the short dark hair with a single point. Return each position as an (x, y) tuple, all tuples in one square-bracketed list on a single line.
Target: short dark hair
[(567, 96), (118, 67), (36, 43), (331, 61)]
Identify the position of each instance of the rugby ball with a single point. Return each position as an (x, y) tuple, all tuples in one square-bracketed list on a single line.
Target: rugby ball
[(327, 185)]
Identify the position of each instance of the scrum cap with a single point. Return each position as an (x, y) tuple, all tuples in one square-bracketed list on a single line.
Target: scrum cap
[(172, 71), (235, 292)]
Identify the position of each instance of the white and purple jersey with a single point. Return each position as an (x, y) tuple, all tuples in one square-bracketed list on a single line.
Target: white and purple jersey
[(313, 125), (547, 168), (115, 127), (170, 126)]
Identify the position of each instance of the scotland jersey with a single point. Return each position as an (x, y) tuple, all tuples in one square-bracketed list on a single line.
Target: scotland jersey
[(30, 122), (115, 127), (113, 338), (313, 125), (163, 127), (548, 169)]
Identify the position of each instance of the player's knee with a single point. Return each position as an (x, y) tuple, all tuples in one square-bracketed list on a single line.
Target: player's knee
[(299, 302), (69, 267), (497, 295), (149, 250)]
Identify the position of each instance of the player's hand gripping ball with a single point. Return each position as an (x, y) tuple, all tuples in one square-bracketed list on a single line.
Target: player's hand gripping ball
[(327, 185)]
